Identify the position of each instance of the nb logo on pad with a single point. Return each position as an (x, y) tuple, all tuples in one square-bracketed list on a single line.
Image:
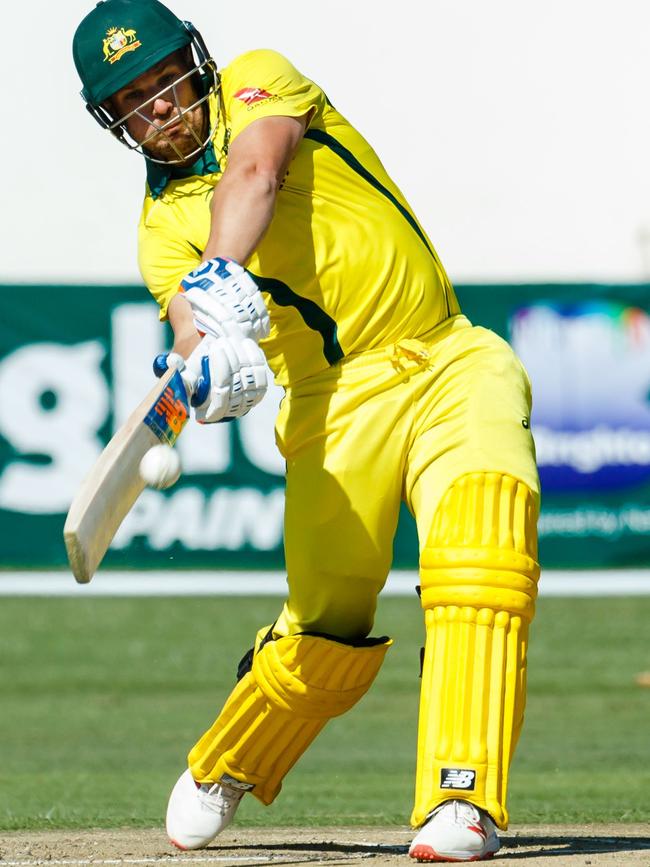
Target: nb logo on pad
[(456, 778)]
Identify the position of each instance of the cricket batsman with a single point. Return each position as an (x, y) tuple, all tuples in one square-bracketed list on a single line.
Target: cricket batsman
[(270, 232)]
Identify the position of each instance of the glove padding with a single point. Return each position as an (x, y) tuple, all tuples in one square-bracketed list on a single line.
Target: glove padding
[(225, 377), (226, 301)]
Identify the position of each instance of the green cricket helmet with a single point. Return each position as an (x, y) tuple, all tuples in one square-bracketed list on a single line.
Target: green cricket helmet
[(120, 40)]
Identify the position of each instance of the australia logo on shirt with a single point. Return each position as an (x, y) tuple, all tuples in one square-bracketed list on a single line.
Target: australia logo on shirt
[(253, 95)]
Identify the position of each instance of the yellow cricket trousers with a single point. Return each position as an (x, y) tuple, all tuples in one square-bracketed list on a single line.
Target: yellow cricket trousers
[(402, 422)]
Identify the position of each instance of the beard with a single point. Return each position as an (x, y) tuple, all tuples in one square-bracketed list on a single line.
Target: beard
[(180, 140)]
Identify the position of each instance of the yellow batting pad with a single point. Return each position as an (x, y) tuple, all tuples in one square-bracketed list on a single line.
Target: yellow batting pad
[(479, 583), (296, 684)]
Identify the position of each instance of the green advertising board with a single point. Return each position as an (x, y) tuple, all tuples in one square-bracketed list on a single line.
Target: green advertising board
[(74, 360)]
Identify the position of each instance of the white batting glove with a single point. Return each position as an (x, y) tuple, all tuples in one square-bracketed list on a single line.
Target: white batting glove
[(227, 377), (226, 301)]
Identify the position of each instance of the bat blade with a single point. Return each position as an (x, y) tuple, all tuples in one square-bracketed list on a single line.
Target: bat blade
[(113, 484)]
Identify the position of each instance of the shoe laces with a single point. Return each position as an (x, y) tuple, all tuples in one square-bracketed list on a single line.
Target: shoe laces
[(466, 812), (463, 812), (219, 798)]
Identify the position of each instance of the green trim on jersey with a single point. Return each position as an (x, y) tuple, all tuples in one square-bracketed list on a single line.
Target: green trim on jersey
[(311, 313), (324, 138)]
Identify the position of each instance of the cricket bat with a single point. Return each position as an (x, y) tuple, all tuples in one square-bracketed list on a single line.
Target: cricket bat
[(114, 484)]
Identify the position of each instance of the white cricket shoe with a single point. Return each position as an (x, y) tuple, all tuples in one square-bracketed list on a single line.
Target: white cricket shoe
[(197, 813), (456, 831)]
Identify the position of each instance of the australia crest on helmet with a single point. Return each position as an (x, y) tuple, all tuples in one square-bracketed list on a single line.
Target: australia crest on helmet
[(118, 41)]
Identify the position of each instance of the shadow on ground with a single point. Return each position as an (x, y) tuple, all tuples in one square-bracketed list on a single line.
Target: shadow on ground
[(547, 846), (515, 847)]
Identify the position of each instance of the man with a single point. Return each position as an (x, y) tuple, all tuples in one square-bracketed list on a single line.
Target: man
[(262, 197)]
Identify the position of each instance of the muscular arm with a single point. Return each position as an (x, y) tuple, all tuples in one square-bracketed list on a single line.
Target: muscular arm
[(244, 199), (242, 204)]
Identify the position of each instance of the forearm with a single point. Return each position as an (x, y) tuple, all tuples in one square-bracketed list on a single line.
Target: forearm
[(244, 199), (181, 319), (242, 209)]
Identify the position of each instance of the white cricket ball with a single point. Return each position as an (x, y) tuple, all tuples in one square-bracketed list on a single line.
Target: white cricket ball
[(160, 467)]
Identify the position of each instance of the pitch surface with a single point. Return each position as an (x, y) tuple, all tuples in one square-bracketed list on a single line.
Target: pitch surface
[(533, 846)]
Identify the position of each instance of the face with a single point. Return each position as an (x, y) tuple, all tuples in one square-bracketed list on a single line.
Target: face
[(162, 121)]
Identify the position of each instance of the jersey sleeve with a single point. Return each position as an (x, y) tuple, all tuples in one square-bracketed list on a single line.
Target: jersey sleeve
[(163, 260), (263, 83)]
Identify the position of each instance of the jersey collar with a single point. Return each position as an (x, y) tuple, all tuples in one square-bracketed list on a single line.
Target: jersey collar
[(158, 176)]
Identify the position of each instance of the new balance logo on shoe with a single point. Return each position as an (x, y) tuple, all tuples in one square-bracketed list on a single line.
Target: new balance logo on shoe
[(457, 778)]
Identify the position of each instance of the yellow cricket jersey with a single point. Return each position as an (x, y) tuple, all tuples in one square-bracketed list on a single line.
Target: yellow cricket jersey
[(344, 266)]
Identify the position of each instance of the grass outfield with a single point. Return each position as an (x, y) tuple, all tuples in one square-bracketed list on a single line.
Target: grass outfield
[(100, 699)]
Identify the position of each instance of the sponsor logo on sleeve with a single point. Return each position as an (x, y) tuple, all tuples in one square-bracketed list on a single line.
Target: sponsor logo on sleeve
[(252, 96)]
